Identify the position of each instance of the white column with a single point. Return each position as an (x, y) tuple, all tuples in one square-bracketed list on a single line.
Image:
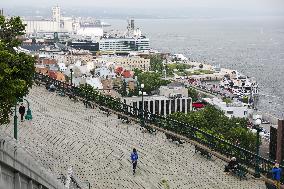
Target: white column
[(17, 182), (30, 185)]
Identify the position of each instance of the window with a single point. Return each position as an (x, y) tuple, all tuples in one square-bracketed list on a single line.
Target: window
[(157, 106), (162, 107), (173, 106), (167, 107), (151, 107), (178, 105), (230, 112), (183, 105), (146, 106)]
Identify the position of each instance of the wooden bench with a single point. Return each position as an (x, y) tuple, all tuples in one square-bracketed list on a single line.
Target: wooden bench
[(270, 186), (150, 129), (174, 139), (203, 152), (72, 97), (240, 172), (123, 118), (61, 93), (105, 110), (37, 82)]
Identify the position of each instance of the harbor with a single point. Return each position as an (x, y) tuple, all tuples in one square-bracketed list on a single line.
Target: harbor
[(104, 98)]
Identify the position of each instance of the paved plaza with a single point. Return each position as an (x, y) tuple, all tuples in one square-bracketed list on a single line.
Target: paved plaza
[(64, 133)]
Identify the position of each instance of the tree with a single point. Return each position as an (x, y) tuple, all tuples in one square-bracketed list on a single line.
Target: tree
[(123, 89), (16, 69), (214, 122), (193, 94), (137, 71), (152, 81), (156, 63)]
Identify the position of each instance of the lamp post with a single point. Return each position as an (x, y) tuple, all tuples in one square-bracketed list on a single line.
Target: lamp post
[(142, 113), (71, 73), (258, 130), (27, 117)]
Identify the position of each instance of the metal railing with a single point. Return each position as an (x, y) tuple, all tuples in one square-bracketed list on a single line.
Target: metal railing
[(207, 140)]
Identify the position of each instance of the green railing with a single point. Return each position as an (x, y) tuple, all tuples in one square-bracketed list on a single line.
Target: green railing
[(214, 143)]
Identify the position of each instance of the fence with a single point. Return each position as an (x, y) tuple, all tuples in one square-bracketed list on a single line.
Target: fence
[(208, 141)]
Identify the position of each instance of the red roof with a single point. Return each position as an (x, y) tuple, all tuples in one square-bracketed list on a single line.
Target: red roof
[(127, 74), (118, 70), (52, 74)]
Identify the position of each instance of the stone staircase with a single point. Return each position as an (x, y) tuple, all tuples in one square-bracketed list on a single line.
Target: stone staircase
[(63, 134)]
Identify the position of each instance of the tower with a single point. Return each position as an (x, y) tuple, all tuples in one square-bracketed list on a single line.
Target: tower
[(56, 16)]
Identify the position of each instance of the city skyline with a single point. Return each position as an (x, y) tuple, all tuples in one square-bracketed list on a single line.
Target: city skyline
[(178, 8)]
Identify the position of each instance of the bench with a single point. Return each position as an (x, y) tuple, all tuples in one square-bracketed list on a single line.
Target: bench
[(150, 129), (61, 93), (174, 139), (73, 97), (240, 172), (270, 186), (105, 110), (202, 152), (88, 104), (123, 118), (37, 82)]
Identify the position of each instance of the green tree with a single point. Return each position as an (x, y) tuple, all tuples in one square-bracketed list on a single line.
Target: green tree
[(16, 69), (156, 63), (214, 121), (137, 71), (193, 94), (123, 89), (152, 81)]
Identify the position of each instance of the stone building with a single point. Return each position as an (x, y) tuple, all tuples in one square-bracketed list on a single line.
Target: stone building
[(128, 63)]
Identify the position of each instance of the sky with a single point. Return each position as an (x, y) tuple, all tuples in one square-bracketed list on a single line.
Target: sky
[(214, 7)]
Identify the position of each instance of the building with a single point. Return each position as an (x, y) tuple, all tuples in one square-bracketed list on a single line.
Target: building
[(172, 90), (83, 56), (1, 12), (230, 110), (160, 104), (128, 63), (56, 24), (124, 44), (276, 145)]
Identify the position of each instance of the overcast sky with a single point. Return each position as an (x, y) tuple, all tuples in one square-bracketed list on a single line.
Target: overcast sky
[(258, 6)]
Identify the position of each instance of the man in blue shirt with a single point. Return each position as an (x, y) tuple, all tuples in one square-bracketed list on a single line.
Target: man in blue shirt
[(134, 158), (276, 175)]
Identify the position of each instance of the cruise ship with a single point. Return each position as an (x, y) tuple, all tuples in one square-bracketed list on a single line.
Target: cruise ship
[(124, 44), (95, 39)]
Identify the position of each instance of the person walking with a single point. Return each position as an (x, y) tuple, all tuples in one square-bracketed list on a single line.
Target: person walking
[(22, 111), (134, 158), (276, 175)]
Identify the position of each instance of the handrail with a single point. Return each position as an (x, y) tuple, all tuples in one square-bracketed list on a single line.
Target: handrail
[(28, 168), (206, 139)]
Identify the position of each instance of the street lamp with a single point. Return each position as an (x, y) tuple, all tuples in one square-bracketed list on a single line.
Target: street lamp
[(142, 113), (27, 117), (71, 72), (258, 130)]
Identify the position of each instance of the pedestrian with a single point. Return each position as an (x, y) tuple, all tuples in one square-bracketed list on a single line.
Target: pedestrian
[(22, 111), (232, 165), (134, 158), (276, 175)]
